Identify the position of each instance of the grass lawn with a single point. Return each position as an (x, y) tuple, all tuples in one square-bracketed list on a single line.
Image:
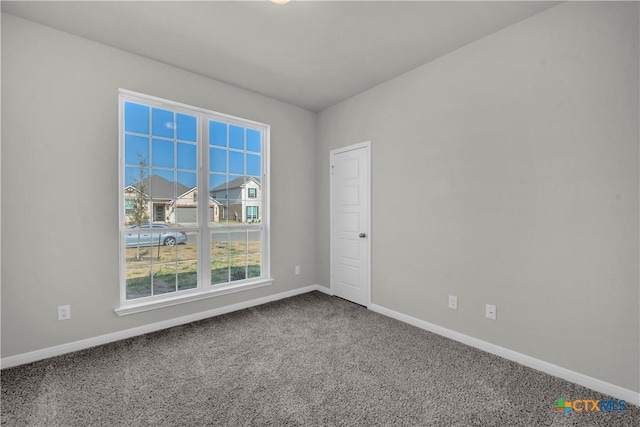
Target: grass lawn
[(164, 269)]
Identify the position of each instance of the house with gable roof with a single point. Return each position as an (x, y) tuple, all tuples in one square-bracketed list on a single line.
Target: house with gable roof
[(183, 209), (164, 206), (240, 199)]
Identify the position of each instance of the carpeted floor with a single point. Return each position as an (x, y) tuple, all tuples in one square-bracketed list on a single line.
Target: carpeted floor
[(310, 360)]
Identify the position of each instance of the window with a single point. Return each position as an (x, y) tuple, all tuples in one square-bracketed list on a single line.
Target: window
[(187, 231), (128, 207), (252, 213)]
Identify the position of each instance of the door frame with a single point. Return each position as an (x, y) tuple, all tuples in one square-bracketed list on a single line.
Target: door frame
[(367, 146)]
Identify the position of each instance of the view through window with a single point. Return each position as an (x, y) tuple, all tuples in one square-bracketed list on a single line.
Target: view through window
[(192, 199)]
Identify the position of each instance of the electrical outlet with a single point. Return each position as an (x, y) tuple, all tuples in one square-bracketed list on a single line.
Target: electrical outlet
[(64, 312), (297, 270), (491, 312), (453, 302)]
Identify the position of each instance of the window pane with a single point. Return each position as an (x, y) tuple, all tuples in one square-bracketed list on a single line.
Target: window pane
[(138, 272), (236, 137), (253, 266), (164, 278), (136, 195), (219, 245), (187, 156), (218, 214), (226, 187), (189, 250), (161, 180), (254, 257), (162, 122), (187, 181), (220, 251), (217, 160), (162, 187), (138, 283), (187, 127), (136, 150), (254, 165), (253, 140), (236, 162), (219, 271), (254, 242), (187, 275), (164, 243), (238, 243), (213, 211), (172, 201), (136, 177), (218, 194), (235, 213), (185, 212), (162, 153), (217, 133), (136, 118), (218, 185), (234, 198), (234, 186), (238, 268), (222, 216)]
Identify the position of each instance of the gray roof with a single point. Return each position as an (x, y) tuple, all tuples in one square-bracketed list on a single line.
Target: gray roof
[(161, 188), (235, 183)]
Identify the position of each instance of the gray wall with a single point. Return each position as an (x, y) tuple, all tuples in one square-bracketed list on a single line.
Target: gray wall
[(507, 172), (60, 183)]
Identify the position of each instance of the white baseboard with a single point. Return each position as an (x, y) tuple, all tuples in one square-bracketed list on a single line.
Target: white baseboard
[(58, 350), (324, 290), (548, 368)]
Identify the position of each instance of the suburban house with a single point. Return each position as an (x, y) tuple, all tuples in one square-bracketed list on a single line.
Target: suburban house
[(164, 206), (240, 199), (515, 126), (182, 210), (160, 193)]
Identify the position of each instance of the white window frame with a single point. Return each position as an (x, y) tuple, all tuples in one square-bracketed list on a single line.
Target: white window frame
[(204, 288)]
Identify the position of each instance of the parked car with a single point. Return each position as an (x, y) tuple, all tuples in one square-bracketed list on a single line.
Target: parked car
[(160, 235)]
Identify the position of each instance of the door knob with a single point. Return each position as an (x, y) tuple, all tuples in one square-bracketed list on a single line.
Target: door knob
[(363, 235)]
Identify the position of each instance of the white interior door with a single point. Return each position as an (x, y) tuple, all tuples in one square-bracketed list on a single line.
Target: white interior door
[(350, 200)]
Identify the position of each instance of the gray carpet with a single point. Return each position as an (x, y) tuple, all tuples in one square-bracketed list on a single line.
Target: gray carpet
[(310, 360)]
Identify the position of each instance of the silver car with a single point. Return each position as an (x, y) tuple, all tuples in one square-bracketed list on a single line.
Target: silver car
[(159, 235)]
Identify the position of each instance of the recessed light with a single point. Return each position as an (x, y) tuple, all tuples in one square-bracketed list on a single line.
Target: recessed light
[(280, 1)]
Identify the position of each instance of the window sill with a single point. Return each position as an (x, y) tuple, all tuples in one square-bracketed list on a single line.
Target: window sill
[(140, 307)]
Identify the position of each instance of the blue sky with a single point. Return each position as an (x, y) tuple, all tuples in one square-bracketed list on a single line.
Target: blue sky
[(167, 142)]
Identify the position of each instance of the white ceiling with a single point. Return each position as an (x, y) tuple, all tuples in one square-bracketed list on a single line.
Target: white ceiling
[(309, 54)]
